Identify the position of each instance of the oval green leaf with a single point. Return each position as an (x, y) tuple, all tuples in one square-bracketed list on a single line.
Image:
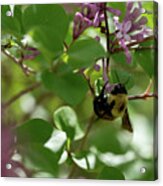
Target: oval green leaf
[(84, 53), (34, 131), (68, 86)]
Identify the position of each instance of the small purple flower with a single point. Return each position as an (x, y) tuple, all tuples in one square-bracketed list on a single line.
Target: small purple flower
[(133, 27), (80, 24), (92, 14), (97, 67)]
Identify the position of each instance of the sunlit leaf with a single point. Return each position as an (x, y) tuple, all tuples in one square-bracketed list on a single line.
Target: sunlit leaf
[(56, 142), (48, 24), (86, 160), (65, 119)]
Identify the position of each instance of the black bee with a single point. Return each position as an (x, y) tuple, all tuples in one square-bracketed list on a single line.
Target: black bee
[(113, 105)]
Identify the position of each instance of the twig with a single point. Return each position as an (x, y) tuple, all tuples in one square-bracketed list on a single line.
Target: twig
[(143, 96), (139, 42), (107, 29), (65, 45), (117, 50), (21, 93), (131, 44), (90, 124), (27, 70), (105, 71), (107, 33), (89, 83)]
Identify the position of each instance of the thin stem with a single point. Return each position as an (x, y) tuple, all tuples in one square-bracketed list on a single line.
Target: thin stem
[(105, 76), (21, 93), (88, 129), (139, 42), (27, 70), (65, 45), (107, 33), (89, 83), (143, 96), (107, 29), (117, 50), (131, 44)]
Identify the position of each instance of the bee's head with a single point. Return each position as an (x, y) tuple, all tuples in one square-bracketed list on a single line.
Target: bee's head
[(119, 89)]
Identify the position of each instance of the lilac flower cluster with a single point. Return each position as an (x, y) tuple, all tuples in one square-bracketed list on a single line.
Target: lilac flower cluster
[(92, 14), (133, 27)]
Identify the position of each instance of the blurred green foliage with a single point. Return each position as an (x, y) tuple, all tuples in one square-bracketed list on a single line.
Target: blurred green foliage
[(50, 121)]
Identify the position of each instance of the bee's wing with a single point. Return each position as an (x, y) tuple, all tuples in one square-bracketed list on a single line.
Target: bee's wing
[(126, 124)]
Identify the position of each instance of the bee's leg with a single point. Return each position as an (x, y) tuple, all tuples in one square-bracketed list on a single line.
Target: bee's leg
[(126, 124), (103, 90)]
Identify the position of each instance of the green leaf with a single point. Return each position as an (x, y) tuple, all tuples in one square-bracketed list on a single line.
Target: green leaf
[(84, 53), (41, 158), (9, 24), (18, 15), (106, 130), (110, 173), (147, 61), (68, 86), (65, 119), (121, 76), (34, 131), (48, 24)]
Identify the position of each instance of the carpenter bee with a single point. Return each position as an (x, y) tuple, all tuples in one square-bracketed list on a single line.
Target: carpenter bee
[(113, 105)]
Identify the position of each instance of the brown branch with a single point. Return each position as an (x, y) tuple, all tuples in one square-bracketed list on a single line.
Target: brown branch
[(107, 29), (90, 124), (139, 42), (107, 33), (65, 45), (21, 93), (132, 43), (117, 50), (27, 70), (143, 96)]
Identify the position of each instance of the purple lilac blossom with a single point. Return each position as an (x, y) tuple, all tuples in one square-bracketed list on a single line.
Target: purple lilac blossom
[(133, 27), (92, 14)]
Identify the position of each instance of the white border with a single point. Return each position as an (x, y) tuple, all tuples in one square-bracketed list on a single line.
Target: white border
[(52, 182), (56, 1)]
